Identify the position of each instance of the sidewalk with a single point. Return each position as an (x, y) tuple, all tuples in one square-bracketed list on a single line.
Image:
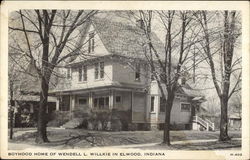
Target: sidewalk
[(174, 142), (21, 146)]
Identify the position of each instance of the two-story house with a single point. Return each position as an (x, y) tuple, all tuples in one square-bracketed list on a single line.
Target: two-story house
[(112, 74)]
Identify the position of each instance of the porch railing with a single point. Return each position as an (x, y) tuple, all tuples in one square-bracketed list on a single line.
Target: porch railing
[(207, 124)]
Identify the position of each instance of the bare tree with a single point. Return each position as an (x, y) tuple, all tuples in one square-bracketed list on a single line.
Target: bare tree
[(222, 39), (13, 80), (167, 67), (48, 39)]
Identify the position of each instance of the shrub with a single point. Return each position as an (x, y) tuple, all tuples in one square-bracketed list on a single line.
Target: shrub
[(58, 118)]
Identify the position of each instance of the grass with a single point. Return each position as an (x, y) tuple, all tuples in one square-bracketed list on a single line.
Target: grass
[(79, 138)]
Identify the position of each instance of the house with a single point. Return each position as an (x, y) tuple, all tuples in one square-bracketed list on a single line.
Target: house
[(26, 99), (112, 78), (234, 120)]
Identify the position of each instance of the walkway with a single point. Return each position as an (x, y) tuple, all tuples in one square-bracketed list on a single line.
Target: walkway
[(174, 142)]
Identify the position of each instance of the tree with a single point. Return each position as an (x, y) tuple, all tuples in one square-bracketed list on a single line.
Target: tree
[(227, 35), (180, 35), (49, 38), (13, 77)]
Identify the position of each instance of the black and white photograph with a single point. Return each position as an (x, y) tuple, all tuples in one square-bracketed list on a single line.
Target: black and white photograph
[(140, 79)]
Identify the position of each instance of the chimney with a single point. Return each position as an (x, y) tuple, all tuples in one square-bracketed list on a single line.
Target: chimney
[(140, 23)]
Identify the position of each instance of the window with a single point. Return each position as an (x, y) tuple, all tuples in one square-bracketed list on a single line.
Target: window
[(185, 107), (80, 74), (107, 101), (118, 99), (64, 103), (82, 101), (162, 104), (137, 72), (95, 102), (99, 70), (101, 102), (85, 78), (68, 73), (96, 71), (91, 43), (152, 104)]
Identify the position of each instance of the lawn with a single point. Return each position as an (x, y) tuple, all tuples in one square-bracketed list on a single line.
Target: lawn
[(79, 138)]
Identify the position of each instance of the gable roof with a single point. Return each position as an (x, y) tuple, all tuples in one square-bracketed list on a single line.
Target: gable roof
[(30, 82), (123, 39)]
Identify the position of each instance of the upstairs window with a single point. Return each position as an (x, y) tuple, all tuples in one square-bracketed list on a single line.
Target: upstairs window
[(91, 47), (99, 70), (96, 70), (85, 77), (82, 72), (137, 72), (68, 73)]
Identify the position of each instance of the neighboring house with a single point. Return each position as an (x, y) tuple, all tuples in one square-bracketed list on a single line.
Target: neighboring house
[(234, 121), (115, 79), (27, 98)]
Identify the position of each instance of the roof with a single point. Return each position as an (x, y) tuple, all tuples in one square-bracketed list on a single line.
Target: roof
[(34, 98), (30, 82), (191, 92), (234, 116), (124, 39)]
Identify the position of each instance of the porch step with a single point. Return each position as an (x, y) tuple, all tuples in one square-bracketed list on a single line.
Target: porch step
[(73, 123), (206, 124)]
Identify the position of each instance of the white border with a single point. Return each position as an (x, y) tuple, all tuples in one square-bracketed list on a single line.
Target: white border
[(6, 7)]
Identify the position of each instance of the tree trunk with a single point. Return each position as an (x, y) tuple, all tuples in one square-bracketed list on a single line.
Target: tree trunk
[(12, 103), (45, 77), (11, 122), (42, 122), (223, 120), (166, 133)]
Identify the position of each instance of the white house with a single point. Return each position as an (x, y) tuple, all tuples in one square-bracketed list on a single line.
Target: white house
[(112, 75)]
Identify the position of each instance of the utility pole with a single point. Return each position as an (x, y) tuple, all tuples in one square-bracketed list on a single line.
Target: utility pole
[(194, 61)]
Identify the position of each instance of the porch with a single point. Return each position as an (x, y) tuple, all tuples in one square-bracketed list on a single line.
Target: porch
[(131, 102)]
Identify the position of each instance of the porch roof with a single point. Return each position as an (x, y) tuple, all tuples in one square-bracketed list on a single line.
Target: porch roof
[(34, 98), (115, 86)]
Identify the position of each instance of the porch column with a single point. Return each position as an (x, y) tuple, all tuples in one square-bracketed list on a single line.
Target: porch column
[(57, 103), (148, 106), (90, 100), (72, 100), (111, 99), (157, 107)]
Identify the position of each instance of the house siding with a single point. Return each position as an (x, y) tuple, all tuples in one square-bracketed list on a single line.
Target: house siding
[(125, 73)]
